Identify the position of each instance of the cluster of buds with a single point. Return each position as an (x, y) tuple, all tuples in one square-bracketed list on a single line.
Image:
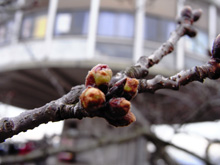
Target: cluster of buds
[(99, 77), (117, 109), (189, 16)]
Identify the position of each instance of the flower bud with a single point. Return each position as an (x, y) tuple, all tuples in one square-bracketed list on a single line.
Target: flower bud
[(118, 107), (100, 74), (124, 121), (92, 98), (130, 88), (197, 14), (216, 49), (191, 32), (186, 13)]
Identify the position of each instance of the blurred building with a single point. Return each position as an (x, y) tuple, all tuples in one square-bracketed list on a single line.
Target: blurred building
[(48, 46)]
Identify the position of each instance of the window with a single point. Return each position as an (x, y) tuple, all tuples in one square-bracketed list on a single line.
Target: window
[(63, 23), (115, 24), (199, 44), (10, 30), (34, 26), (158, 30), (71, 23), (6, 32), (2, 34), (40, 26), (27, 27), (80, 22)]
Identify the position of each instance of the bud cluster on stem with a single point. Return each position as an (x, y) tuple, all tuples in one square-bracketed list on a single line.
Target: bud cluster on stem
[(117, 109)]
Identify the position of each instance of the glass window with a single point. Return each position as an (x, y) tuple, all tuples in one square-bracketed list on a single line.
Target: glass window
[(106, 24), (10, 31), (27, 27), (116, 24), (63, 23), (2, 34), (125, 24), (158, 29), (40, 26), (71, 23), (80, 22), (151, 29), (199, 44)]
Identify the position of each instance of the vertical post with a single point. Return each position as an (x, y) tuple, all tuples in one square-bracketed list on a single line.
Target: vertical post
[(139, 29), (180, 45), (212, 24), (93, 21), (17, 22), (51, 15)]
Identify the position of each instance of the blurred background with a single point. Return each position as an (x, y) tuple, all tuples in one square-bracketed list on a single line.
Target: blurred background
[(48, 46)]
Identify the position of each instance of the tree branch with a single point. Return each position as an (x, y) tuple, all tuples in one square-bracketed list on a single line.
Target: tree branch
[(63, 108), (199, 73), (101, 142), (185, 27), (116, 95)]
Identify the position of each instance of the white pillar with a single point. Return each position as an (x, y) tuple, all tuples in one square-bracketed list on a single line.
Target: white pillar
[(93, 21), (51, 15), (212, 24), (180, 53), (17, 24), (139, 29)]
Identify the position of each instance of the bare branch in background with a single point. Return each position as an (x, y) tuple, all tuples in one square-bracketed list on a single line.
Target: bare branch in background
[(101, 142)]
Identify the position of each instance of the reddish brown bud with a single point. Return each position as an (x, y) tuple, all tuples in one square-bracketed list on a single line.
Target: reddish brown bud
[(100, 74), (124, 121), (186, 13), (197, 14), (118, 107), (216, 49), (191, 32), (130, 88), (92, 98)]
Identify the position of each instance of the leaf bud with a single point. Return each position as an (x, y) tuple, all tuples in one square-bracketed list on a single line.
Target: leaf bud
[(118, 107), (124, 121), (216, 49), (99, 75), (197, 14), (186, 13), (130, 88), (92, 98), (191, 32)]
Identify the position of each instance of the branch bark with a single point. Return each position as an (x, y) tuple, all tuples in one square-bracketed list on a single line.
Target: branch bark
[(63, 108), (210, 70), (185, 27)]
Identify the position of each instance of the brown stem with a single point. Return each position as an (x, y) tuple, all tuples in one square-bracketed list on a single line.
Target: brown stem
[(210, 70), (63, 108), (185, 27)]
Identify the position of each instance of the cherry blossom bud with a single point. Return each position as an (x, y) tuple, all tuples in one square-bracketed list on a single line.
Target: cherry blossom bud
[(216, 49), (197, 14), (92, 98), (130, 88), (187, 13), (100, 74), (118, 107), (124, 121)]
